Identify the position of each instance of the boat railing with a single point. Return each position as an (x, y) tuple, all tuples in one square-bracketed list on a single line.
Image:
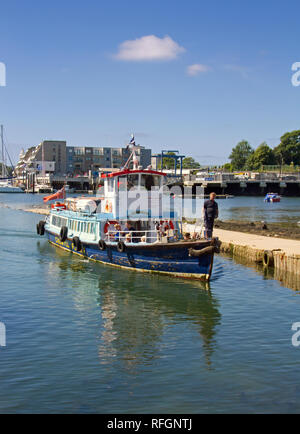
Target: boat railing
[(143, 237)]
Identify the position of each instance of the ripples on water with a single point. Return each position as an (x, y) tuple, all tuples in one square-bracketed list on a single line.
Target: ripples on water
[(82, 337), (255, 209)]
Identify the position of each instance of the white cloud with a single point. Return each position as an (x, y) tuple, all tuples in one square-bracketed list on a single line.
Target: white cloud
[(149, 48), (196, 69)]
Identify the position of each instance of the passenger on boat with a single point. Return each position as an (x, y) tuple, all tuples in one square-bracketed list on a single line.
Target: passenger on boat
[(187, 236), (158, 230), (118, 232), (210, 213), (128, 238), (143, 239), (130, 229)]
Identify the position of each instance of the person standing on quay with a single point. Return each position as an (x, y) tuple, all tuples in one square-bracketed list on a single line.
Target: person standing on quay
[(210, 213)]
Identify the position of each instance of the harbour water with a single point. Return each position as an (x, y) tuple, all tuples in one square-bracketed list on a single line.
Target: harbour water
[(82, 337), (253, 208)]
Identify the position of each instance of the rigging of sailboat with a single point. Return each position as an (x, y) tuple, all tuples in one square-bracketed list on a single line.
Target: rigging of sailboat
[(6, 185)]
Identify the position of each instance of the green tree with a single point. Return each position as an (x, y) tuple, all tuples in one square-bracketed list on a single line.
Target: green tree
[(240, 155), (227, 167), (168, 163), (262, 156), (190, 163), (288, 151)]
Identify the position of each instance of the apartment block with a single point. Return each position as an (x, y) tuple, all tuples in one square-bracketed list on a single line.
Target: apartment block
[(58, 158), (48, 151)]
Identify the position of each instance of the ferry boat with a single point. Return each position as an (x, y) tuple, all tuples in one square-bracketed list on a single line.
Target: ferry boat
[(144, 239), (272, 197)]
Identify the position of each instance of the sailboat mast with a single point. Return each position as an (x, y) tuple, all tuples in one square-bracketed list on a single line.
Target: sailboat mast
[(2, 142)]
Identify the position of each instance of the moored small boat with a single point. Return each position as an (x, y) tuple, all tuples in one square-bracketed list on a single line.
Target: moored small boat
[(272, 197), (7, 187)]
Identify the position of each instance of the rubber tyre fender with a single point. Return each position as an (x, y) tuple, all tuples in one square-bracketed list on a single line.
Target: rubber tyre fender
[(40, 228), (77, 244), (63, 234), (121, 247), (102, 245), (268, 258)]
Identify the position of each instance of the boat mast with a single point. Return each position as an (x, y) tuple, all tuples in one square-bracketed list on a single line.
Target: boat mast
[(2, 142), (43, 162)]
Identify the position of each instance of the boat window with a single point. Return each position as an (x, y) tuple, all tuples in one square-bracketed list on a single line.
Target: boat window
[(149, 181), (128, 182), (59, 221), (132, 181), (122, 180)]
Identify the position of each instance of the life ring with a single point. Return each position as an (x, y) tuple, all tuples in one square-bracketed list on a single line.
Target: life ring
[(59, 206), (77, 244), (40, 228), (268, 258), (121, 247), (107, 225), (102, 245), (63, 234)]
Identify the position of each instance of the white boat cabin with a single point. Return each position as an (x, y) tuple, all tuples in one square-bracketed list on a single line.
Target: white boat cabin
[(104, 218)]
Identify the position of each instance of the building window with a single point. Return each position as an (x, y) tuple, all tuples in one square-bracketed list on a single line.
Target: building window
[(98, 151), (79, 151)]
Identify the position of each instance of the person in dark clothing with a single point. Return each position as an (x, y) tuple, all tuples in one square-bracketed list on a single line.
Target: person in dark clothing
[(210, 213), (130, 230)]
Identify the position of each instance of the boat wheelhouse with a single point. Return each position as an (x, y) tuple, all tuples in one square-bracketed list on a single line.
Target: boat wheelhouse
[(127, 225)]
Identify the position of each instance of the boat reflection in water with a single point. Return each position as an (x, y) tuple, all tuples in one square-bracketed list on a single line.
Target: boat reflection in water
[(138, 311), (137, 314)]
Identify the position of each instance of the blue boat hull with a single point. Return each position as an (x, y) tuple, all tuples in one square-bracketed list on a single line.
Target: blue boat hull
[(166, 259)]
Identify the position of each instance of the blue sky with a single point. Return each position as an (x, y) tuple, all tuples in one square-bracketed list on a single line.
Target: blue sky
[(70, 76)]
